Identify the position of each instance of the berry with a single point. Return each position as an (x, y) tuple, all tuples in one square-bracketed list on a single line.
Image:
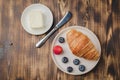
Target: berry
[(69, 69), (61, 40), (82, 68), (57, 49), (76, 61), (64, 59)]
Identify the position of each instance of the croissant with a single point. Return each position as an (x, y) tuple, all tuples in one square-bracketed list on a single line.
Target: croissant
[(81, 46)]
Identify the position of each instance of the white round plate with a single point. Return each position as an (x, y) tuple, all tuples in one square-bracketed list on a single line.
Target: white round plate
[(89, 64), (47, 18)]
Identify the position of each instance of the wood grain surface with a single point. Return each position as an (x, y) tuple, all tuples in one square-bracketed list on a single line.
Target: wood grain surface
[(20, 60)]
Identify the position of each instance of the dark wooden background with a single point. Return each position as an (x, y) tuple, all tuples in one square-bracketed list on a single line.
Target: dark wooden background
[(20, 60)]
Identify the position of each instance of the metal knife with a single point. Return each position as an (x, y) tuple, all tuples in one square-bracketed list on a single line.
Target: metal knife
[(64, 20)]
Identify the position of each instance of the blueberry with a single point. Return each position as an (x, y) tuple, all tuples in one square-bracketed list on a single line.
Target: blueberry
[(82, 68), (61, 40), (69, 69), (76, 61), (64, 59)]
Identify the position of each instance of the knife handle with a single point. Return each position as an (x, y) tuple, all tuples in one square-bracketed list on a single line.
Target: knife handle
[(44, 39), (66, 18)]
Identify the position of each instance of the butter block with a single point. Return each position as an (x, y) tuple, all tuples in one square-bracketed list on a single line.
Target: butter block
[(36, 19)]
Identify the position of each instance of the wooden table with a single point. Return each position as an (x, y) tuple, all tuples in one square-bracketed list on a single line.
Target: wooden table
[(20, 60)]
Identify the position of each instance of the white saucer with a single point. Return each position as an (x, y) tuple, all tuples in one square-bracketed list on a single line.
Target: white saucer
[(47, 16), (89, 64)]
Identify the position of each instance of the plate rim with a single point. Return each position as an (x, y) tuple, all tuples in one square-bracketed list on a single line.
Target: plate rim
[(70, 27), (32, 5)]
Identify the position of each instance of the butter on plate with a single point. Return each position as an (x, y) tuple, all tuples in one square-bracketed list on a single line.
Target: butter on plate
[(36, 19)]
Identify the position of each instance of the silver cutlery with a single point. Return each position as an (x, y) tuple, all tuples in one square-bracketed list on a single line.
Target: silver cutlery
[(64, 20)]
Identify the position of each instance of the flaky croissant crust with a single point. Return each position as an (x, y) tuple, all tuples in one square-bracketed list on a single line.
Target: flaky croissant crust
[(81, 45)]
